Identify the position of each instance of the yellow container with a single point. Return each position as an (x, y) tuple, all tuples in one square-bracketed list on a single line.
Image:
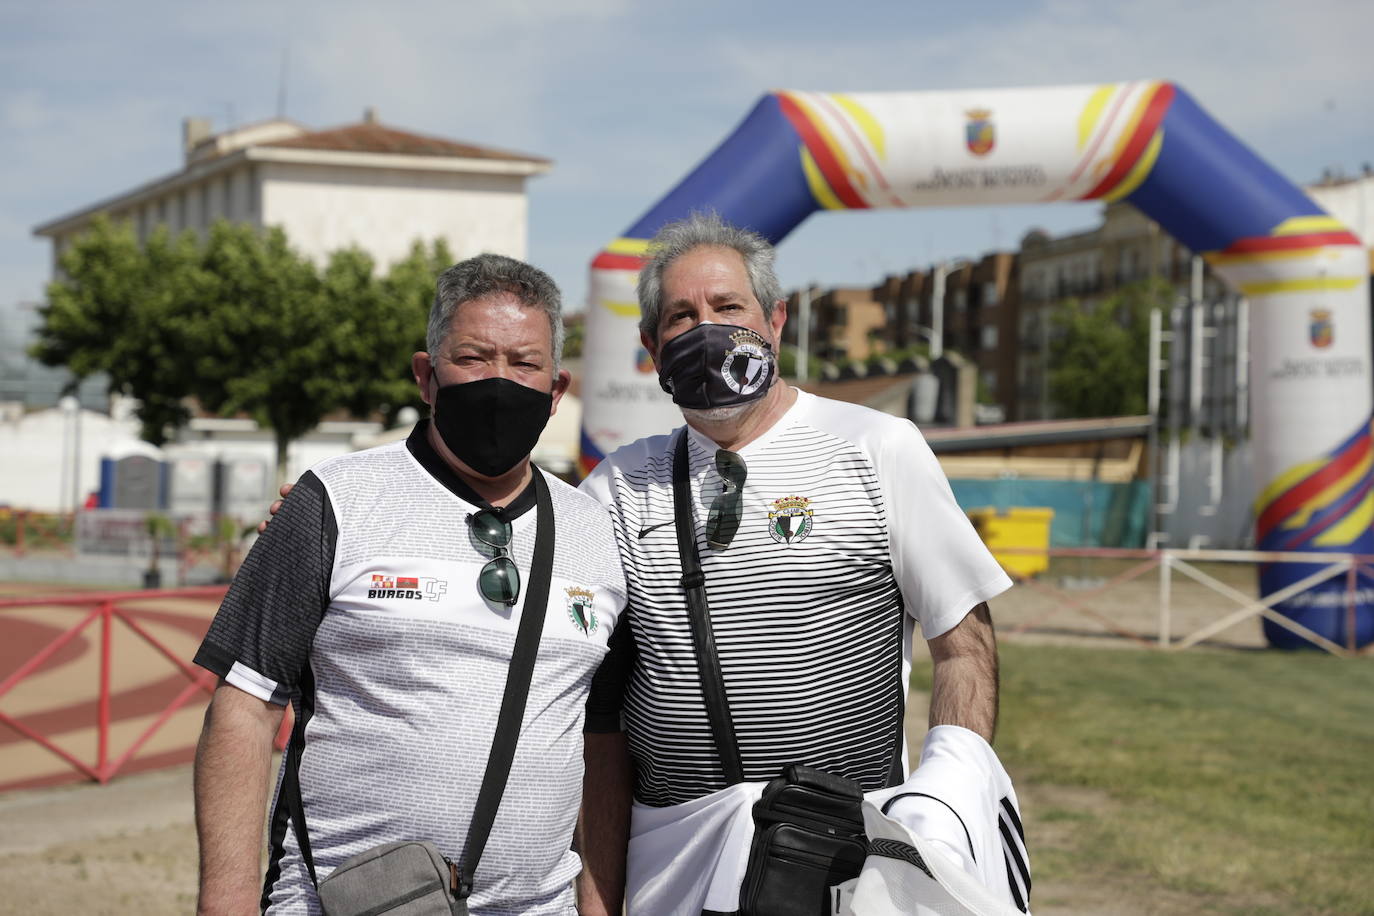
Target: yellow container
[(1017, 532)]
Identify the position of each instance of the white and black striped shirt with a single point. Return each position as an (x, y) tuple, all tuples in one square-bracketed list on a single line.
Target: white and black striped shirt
[(848, 521)]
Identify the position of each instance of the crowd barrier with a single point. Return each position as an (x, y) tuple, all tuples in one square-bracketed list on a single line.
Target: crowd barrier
[(1167, 562), (106, 609)]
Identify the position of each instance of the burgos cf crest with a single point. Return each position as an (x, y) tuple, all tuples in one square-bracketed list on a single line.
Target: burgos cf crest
[(580, 610), (1320, 331), (745, 369), (789, 521), (978, 133)]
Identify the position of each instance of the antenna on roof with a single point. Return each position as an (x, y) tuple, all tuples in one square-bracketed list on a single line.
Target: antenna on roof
[(281, 83)]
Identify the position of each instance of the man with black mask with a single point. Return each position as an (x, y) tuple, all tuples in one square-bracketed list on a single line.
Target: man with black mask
[(387, 602), (824, 533)]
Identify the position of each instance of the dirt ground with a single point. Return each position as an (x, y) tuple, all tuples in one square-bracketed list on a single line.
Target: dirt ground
[(129, 847)]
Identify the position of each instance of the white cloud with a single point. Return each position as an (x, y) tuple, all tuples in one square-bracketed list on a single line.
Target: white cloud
[(625, 98)]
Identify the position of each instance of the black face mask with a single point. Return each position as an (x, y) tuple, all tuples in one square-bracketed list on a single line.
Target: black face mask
[(716, 365), (491, 424)]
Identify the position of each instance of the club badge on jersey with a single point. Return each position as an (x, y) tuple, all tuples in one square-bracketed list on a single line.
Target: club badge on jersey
[(582, 609), (716, 365), (790, 519)]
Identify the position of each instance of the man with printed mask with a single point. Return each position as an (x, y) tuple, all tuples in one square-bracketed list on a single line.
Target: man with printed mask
[(387, 601), (824, 533)]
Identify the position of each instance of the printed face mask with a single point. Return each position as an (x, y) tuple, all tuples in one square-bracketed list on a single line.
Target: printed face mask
[(716, 365), (491, 424)]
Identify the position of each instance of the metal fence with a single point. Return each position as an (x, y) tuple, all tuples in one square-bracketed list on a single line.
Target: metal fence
[(106, 610), (1085, 595)]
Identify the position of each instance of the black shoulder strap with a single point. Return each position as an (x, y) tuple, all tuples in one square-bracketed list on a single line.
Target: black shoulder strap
[(508, 722), (518, 678), (291, 791), (699, 615)]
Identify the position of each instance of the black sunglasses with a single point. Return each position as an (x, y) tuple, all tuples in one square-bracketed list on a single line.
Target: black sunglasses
[(726, 509), (499, 580)]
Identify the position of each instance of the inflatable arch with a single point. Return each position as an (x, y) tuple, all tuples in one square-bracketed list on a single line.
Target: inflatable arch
[(1305, 274)]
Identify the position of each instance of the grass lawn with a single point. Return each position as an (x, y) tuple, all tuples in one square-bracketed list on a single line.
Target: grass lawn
[(1242, 780)]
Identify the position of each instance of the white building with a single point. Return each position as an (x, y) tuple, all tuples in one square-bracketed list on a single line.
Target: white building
[(1350, 200), (40, 449), (364, 184)]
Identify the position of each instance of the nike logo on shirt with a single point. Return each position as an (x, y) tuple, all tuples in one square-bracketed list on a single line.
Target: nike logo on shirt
[(644, 531)]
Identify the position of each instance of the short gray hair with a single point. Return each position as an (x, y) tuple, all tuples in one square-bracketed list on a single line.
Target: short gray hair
[(697, 231), (494, 273)]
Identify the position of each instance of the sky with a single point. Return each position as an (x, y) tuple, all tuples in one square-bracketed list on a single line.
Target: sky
[(627, 97)]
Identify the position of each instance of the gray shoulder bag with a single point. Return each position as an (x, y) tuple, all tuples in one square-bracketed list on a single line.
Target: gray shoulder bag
[(414, 878)]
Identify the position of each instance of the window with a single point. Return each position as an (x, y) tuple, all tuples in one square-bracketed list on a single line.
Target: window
[(254, 193), (989, 337), (1128, 265), (960, 299), (989, 293)]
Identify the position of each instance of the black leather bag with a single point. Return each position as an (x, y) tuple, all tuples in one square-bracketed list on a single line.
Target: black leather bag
[(808, 837)]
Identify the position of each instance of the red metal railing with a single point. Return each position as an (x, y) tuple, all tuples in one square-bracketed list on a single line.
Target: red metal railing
[(107, 608)]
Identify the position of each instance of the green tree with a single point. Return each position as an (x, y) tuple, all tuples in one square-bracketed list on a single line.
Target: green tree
[(273, 343), (1099, 356), (240, 322), (127, 311), (574, 335), (401, 314)]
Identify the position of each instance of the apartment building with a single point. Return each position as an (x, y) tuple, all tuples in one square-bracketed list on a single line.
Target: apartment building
[(365, 184)]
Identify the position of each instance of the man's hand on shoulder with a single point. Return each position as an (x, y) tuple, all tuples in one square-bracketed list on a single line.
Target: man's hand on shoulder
[(273, 509)]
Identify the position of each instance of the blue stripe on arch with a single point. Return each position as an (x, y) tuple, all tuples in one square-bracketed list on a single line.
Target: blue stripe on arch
[(753, 179), (1208, 189)]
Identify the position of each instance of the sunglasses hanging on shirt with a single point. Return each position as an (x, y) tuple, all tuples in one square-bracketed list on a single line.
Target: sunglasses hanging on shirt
[(727, 508), (499, 580)]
